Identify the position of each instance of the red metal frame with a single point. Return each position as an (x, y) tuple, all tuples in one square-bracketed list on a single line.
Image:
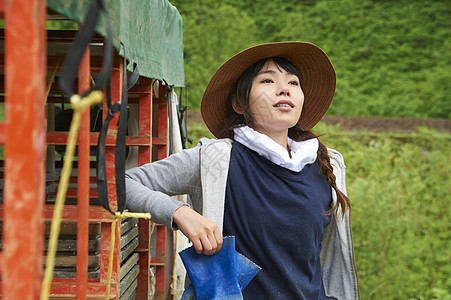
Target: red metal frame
[(25, 139), (161, 231), (144, 156), (83, 183), (25, 57)]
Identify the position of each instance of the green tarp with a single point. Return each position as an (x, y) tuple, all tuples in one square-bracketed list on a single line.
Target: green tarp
[(151, 31)]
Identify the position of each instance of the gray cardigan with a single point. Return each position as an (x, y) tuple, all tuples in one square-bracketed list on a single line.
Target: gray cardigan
[(201, 173)]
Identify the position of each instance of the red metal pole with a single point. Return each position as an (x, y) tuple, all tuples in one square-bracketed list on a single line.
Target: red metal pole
[(161, 247), (145, 156), (145, 122), (23, 238), (83, 183), (116, 91)]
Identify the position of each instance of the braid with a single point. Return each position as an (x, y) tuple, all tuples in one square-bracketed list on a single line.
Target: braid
[(325, 167)]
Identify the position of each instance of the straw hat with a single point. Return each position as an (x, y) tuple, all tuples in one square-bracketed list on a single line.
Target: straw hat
[(317, 79)]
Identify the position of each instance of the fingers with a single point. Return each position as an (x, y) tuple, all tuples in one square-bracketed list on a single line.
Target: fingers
[(218, 238), (209, 241), (203, 233)]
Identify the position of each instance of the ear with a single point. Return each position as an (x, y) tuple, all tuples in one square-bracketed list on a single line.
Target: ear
[(236, 107)]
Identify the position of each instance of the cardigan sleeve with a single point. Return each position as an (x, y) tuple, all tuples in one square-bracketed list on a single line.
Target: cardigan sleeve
[(337, 253), (150, 187)]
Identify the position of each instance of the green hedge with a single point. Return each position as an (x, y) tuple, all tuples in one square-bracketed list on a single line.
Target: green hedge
[(392, 58)]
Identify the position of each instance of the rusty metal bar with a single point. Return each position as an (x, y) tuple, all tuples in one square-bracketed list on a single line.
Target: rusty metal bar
[(83, 182), (116, 92), (144, 156), (25, 53), (161, 231)]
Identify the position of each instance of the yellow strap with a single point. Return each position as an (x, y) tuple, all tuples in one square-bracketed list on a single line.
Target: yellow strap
[(117, 216), (79, 105), (52, 78)]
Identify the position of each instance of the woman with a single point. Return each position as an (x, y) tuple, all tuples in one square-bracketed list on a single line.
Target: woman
[(267, 180)]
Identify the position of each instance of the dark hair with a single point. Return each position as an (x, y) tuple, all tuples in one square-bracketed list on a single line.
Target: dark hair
[(240, 95)]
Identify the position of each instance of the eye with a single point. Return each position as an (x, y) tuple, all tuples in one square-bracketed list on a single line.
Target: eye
[(294, 82), (266, 81)]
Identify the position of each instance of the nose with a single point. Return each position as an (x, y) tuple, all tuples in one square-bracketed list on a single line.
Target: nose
[(283, 91)]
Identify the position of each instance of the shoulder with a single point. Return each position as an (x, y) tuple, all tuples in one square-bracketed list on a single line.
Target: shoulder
[(338, 165), (206, 142), (336, 158)]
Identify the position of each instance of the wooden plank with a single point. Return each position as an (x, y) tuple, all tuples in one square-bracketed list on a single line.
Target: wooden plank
[(128, 249), (126, 282), (70, 273), (127, 224), (67, 228), (69, 245), (70, 228), (65, 261), (129, 236), (133, 296), (130, 291), (128, 265)]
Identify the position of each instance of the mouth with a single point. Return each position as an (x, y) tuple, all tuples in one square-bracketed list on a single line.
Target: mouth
[(284, 103)]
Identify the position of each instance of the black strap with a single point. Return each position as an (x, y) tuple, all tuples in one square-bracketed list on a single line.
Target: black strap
[(169, 89), (66, 82), (77, 49), (120, 155)]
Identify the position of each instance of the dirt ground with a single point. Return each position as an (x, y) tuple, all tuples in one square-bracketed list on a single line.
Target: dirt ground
[(373, 124)]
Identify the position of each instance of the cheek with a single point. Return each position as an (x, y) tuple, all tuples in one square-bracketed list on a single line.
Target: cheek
[(301, 100), (259, 101)]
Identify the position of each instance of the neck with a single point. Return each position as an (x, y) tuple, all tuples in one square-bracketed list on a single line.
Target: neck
[(280, 137)]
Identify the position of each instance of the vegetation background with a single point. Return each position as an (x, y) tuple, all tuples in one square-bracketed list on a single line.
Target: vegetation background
[(392, 58)]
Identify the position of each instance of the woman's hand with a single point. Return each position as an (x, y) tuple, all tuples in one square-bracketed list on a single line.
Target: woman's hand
[(204, 233)]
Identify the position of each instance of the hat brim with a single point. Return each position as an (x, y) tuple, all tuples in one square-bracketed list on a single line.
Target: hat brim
[(317, 74)]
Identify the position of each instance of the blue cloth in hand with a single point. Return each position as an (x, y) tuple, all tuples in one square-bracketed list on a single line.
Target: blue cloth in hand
[(219, 276)]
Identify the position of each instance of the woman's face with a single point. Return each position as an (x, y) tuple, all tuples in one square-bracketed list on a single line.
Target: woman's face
[(275, 100)]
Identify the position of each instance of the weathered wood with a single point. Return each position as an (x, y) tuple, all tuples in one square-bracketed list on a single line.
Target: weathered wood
[(128, 236), (126, 282), (70, 273), (132, 296), (65, 261), (130, 293), (128, 249), (128, 265), (70, 228), (127, 224)]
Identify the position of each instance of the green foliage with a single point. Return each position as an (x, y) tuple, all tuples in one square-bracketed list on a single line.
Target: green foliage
[(399, 187), (392, 58), (213, 31)]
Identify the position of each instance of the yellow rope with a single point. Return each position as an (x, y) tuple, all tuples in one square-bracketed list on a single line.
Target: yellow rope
[(117, 216), (79, 105), (52, 78)]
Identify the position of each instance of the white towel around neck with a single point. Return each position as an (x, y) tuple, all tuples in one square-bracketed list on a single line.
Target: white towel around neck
[(302, 153)]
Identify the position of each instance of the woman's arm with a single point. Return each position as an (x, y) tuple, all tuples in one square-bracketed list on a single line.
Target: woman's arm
[(150, 186)]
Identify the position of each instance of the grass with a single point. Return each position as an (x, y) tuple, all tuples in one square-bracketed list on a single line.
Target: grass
[(399, 185)]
